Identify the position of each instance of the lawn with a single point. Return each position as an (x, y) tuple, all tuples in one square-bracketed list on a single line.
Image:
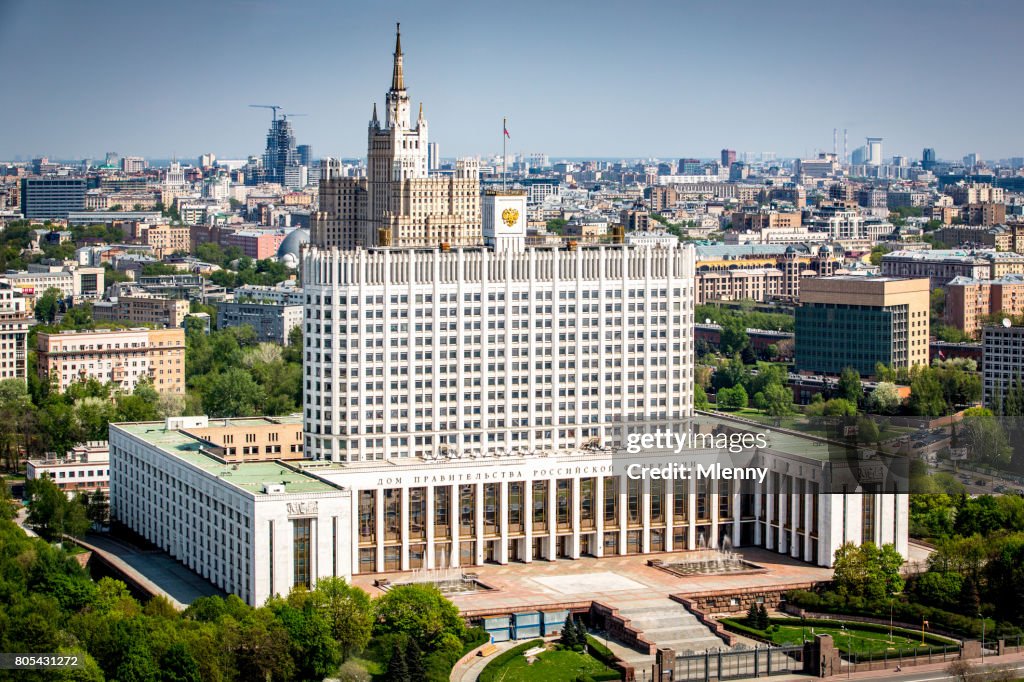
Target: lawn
[(860, 641), (554, 665)]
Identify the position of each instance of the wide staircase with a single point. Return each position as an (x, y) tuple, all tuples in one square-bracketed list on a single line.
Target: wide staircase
[(669, 624)]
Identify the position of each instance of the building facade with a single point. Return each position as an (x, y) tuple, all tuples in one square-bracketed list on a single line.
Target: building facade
[(968, 301), (144, 309), (852, 321), (399, 203), (121, 356), (86, 468), (272, 322), (51, 197), (15, 322), (1002, 352), (257, 528), (942, 265)]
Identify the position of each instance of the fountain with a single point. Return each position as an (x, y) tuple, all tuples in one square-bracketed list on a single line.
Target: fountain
[(709, 560), (448, 580)]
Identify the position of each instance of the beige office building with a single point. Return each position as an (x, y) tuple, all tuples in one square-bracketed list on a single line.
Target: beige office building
[(163, 312)]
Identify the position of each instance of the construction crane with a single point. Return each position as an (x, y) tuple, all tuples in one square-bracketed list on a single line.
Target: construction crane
[(272, 107), (285, 116)]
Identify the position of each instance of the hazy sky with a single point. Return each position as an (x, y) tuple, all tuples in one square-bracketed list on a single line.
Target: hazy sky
[(597, 78)]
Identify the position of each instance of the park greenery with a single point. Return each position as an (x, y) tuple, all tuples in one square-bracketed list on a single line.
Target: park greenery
[(50, 604)]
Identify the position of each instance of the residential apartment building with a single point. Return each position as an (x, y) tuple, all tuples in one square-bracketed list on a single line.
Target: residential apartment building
[(748, 271), (998, 237), (851, 321), (142, 308), (256, 244), (121, 356), (765, 218), (1002, 361), (968, 301), (975, 193), (73, 282), (273, 322), (285, 293), (15, 322)]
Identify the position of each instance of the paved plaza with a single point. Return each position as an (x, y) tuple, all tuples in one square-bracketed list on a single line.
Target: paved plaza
[(619, 581)]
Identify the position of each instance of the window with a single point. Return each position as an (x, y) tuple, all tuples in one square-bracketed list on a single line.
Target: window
[(301, 553)]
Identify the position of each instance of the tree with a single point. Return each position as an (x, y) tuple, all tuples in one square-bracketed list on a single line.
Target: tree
[(137, 665), (98, 509), (867, 571), (734, 398), (398, 666), (960, 670), (926, 399), (568, 637), (753, 616), (777, 400), (868, 431), (51, 513), (734, 337), (414, 660), (986, 440), (849, 386), (232, 393), (419, 611), (178, 665), (348, 612), (885, 398), (969, 601), (700, 398), (762, 617), (47, 306), (939, 589)]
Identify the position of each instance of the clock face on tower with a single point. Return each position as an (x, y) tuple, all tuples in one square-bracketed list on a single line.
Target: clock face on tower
[(509, 216)]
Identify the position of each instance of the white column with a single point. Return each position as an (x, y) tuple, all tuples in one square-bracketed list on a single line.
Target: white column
[(503, 507), (691, 514), (669, 506), (528, 520), (378, 504), (783, 516), (355, 531), (623, 515), (794, 504), (455, 512), (768, 500), (737, 518), (574, 515), (479, 518), (758, 512), (403, 516), (645, 515), (713, 512), (552, 519), (599, 515), (428, 556), (808, 502)]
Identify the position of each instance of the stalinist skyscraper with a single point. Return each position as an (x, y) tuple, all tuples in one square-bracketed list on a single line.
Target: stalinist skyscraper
[(398, 203)]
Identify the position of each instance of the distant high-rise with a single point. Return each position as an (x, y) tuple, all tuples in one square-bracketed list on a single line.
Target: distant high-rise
[(970, 160), (874, 151), (305, 153), (398, 203), (433, 156), (691, 167), (728, 157), (52, 197), (133, 164), (928, 158), (859, 156), (280, 152)]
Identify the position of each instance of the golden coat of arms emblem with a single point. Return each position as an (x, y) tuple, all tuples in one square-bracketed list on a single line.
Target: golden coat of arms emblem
[(509, 216)]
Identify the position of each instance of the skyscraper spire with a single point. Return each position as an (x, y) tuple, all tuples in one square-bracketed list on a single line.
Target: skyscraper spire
[(397, 77), (374, 120)]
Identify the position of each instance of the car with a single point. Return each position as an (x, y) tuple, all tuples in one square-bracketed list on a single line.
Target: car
[(981, 481)]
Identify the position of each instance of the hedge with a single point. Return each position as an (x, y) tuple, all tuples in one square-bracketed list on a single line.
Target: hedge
[(488, 673), (830, 602), (937, 643)]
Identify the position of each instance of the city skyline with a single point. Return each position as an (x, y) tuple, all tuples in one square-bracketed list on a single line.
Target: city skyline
[(470, 66)]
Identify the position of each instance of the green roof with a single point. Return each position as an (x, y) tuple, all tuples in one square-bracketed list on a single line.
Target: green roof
[(248, 476)]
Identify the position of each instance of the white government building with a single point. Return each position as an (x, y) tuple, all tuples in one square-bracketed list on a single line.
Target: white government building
[(468, 405)]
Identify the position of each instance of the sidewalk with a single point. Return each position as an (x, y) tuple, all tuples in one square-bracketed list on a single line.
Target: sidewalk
[(470, 666)]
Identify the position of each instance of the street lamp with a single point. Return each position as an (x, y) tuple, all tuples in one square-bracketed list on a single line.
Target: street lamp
[(982, 637)]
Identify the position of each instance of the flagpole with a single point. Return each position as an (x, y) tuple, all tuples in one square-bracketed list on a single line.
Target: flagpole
[(504, 154)]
